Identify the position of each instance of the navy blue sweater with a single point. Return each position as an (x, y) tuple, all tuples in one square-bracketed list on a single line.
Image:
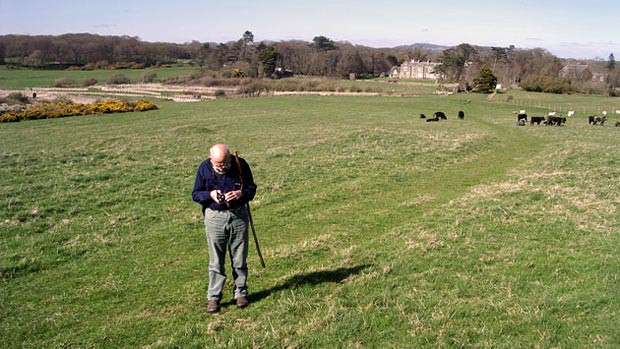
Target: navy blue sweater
[(208, 180)]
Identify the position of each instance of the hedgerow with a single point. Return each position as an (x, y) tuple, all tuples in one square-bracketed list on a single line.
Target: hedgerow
[(59, 109)]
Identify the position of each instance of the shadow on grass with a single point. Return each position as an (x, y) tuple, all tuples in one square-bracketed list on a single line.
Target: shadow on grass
[(314, 278)]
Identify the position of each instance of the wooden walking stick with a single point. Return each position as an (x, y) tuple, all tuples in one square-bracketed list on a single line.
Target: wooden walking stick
[(260, 255)]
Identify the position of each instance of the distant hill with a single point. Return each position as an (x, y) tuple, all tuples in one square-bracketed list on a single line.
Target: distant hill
[(426, 46)]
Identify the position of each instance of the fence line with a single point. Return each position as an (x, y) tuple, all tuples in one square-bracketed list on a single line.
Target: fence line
[(564, 108)]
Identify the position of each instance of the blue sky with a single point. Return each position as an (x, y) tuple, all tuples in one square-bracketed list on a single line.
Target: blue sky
[(568, 29)]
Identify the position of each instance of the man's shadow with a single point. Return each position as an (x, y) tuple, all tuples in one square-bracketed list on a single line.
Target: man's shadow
[(313, 278)]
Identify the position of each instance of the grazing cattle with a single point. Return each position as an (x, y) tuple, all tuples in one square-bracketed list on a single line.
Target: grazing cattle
[(422, 116), (595, 120), (521, 122), (521, 117), (461, 115), (536, 120), (440, 115), (617, 123), (433, 119), (551, 120)]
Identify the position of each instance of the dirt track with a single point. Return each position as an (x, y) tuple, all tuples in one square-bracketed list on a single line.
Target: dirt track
[(93, 93)]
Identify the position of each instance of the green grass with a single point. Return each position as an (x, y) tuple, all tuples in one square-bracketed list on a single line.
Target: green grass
[(378, 229), (29, 78)]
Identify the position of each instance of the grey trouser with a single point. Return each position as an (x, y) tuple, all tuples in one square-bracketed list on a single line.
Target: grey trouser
[(227, 229)]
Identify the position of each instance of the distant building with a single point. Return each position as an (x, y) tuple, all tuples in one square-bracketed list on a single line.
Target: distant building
[(416, 70), (582, 72), (576, 72), (600, 77)]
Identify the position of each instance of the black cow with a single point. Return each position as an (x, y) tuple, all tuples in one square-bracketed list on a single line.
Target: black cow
[(422, 116), (617, 123), (461, 115), (521, 117), (536, 120), (551, 120), (440, 115)]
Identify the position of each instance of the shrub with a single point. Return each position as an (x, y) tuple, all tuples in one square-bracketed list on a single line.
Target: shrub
[(253, 89), (149, 77), (590, 87), (355, 88), (551, 84), (118, 79), (16, 97), (89, 82), (62, 99), (102, 64), (57, 109), (309, 85)]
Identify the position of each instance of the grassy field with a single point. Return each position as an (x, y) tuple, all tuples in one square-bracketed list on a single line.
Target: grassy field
[(379, 230), (29, 78)]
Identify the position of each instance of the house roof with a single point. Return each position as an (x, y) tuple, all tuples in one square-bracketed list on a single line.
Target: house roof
[(576, 68)]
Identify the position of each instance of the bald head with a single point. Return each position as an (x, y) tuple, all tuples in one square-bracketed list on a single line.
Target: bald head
[(220, 158)]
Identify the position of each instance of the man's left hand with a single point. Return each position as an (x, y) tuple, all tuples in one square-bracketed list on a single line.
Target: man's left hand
[(234, 195)]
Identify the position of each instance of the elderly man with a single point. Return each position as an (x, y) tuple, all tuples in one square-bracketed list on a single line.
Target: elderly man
[(223, 187)]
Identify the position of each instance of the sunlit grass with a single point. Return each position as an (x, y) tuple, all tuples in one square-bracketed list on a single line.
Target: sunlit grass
[(378, 228)]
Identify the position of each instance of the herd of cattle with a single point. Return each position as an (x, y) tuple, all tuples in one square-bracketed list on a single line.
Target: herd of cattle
[(550, 119), (441, 116)]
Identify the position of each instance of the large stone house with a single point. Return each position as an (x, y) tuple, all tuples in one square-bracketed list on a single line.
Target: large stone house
[(582, 72), (576, 72), (416, 70)]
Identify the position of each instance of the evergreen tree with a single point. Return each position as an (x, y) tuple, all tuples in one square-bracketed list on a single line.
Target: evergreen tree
[(611, 62), (248, 40), (323, 43), (268, 58), (486, 81)]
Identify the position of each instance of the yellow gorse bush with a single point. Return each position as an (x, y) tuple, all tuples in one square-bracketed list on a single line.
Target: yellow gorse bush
[(49, 110)]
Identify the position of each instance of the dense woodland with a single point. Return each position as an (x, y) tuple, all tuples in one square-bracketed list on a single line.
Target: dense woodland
[(535, 69)]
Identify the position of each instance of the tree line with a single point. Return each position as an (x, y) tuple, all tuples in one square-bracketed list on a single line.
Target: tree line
[(322, 57)]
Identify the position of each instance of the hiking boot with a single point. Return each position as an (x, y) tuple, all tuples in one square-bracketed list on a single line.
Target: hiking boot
[(242, 301), (214, 306)]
